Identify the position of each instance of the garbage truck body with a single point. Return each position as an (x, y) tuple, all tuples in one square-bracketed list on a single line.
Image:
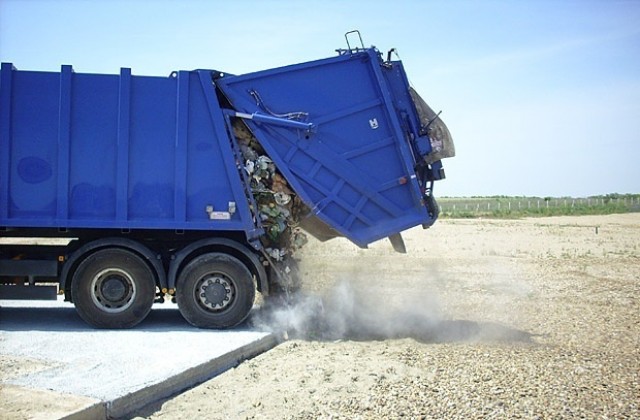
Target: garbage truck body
[(120, 190)]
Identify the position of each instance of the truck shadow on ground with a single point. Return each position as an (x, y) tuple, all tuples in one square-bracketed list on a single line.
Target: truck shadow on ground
[(67, 319), (451, 331), (443, 331)]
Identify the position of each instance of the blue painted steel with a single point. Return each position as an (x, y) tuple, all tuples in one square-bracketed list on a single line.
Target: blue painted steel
[(116, 151), (6, 82), (357, 172), (134, 152)]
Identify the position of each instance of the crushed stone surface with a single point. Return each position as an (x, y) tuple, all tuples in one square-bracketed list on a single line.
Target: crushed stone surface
[(534, 318)]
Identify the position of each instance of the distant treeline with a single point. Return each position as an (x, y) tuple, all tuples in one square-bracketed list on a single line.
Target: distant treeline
[(514, 207)]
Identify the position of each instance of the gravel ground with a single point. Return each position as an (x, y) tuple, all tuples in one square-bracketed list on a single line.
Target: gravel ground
[(534, 318)]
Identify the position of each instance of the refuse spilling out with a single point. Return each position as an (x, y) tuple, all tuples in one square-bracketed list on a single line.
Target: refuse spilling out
[(278, 208)]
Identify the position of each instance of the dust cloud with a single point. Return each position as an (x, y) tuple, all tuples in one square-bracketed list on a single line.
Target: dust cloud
[(347, 312)]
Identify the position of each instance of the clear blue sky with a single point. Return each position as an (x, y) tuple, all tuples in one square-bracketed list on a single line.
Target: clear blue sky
[(542, 97)]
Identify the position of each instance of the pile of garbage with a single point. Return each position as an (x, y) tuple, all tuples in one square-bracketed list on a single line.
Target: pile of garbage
[(278, 207)]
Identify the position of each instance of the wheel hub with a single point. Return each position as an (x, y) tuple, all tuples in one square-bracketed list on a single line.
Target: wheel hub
[(113, 290), (215, 292)]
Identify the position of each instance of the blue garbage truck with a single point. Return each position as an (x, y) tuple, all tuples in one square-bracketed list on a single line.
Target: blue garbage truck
[(119, 190)]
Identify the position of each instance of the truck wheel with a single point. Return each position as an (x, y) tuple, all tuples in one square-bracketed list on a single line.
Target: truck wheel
[(215, 291), (113, 288)]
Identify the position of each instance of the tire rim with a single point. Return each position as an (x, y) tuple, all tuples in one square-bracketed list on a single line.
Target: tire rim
[(215, 292), (113, 290)]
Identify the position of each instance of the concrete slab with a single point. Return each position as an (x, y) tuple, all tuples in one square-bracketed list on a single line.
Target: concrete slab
[(124, 370)]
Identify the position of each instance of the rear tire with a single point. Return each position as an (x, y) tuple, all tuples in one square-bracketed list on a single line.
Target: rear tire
[(215, 291), (113, 288)]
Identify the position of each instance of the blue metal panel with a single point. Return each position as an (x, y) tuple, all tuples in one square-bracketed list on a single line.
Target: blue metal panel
[(356, 172), (64, 138), (116, 151), (33, 162), (182, 133), (124, 122), (94, 161), (124, 151), (151, 148), (6, 77)]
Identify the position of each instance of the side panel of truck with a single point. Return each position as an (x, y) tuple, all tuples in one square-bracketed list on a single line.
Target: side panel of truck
[(117, 151)]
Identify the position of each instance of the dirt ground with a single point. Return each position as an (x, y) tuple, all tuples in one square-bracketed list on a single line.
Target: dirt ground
[(534, 318)]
